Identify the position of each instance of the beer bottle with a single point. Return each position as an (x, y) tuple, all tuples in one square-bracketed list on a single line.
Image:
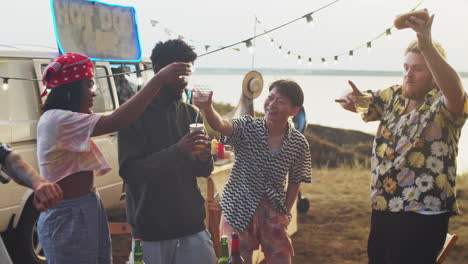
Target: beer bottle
[(138, 252), (235, 250), (224, 258)]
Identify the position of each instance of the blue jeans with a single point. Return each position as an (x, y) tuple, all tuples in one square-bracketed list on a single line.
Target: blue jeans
[(76, 231)]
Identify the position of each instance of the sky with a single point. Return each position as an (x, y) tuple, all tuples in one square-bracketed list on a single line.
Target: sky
[(338, 28)]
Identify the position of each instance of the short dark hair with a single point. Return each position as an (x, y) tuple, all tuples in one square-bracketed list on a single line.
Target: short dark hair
[(290, 89), (174, 50), (64, 97)]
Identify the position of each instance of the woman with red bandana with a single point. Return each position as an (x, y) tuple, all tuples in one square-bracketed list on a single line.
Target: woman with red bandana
[(75, 230)]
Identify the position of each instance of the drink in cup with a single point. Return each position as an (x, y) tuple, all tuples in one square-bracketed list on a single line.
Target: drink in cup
[(202, 92), (362, 103), (197, 127)]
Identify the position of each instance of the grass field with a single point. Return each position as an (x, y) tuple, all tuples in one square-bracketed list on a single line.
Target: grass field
[(335, 229)]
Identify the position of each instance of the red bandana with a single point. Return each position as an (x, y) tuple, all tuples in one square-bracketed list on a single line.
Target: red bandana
[(65, 69)]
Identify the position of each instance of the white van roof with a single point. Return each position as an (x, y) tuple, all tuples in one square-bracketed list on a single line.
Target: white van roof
[(35, 52), (27, 51)]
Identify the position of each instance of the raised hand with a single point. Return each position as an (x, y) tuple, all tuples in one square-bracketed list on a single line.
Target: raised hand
[(202, 102), (422, 28), (347, 101), (171, 74)]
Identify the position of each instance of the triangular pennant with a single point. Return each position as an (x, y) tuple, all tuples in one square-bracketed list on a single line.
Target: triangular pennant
[(153, 22)]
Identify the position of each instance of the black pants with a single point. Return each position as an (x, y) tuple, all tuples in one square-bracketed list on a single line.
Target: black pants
[(406, 237)]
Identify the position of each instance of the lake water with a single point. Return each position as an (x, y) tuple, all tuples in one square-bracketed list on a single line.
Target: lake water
[(319, 94)]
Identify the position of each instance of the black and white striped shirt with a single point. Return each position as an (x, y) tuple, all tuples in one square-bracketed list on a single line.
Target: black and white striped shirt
[(257, 172)]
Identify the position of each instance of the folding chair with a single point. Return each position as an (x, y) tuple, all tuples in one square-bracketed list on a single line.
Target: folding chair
[(450, 241)]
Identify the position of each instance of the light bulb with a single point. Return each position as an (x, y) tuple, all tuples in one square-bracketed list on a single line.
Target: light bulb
[(5, 84), (249, 45), (310, 20)]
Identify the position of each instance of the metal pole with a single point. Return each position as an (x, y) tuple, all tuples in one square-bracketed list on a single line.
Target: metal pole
[(253, 44)]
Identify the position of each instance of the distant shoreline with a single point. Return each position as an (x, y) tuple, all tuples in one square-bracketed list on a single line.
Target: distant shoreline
[(304, 72)]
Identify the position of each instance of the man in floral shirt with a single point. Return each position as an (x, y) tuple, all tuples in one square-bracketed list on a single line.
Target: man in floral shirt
[(414, 155)]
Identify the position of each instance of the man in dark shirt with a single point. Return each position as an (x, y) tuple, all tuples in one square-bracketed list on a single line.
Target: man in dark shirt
[(46, 194), (164, 204)]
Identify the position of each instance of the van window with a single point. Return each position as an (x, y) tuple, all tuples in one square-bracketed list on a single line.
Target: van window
[(104, 100), (126, 84)]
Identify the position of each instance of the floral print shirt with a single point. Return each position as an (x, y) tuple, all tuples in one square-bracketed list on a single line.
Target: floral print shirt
[(414, 155)]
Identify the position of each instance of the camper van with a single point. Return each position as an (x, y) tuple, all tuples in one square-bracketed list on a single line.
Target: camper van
[(20, 109)]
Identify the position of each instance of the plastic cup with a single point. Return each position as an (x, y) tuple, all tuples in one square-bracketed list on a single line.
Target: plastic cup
[(202, 92), (362, 103), (197, 127)]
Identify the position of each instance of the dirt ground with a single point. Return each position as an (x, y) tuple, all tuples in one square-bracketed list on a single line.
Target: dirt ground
[(335, 229)]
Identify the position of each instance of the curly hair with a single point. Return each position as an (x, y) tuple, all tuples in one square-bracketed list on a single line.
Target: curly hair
[(64, 97), (174, 50)]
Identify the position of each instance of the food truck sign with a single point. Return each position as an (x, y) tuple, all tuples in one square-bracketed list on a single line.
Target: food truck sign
[(99, 30)]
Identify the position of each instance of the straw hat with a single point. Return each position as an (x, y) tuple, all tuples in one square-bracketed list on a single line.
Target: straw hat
[(252, 84)]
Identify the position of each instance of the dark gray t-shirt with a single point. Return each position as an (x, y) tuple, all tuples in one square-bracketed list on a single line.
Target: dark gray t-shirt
[(163, 198)]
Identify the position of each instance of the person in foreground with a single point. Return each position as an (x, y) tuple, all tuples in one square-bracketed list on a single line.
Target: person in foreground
[(157, 162), (414, 155), (46, 194), (76, 230), (269, 153)]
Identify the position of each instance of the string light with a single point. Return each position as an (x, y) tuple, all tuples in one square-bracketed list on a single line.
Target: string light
[(271, 30), (309, 62), (299, 59), (249, 45), (5, 84), (287, 54), (272, 41), (336, 59), (388, 32), (310, 19)]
